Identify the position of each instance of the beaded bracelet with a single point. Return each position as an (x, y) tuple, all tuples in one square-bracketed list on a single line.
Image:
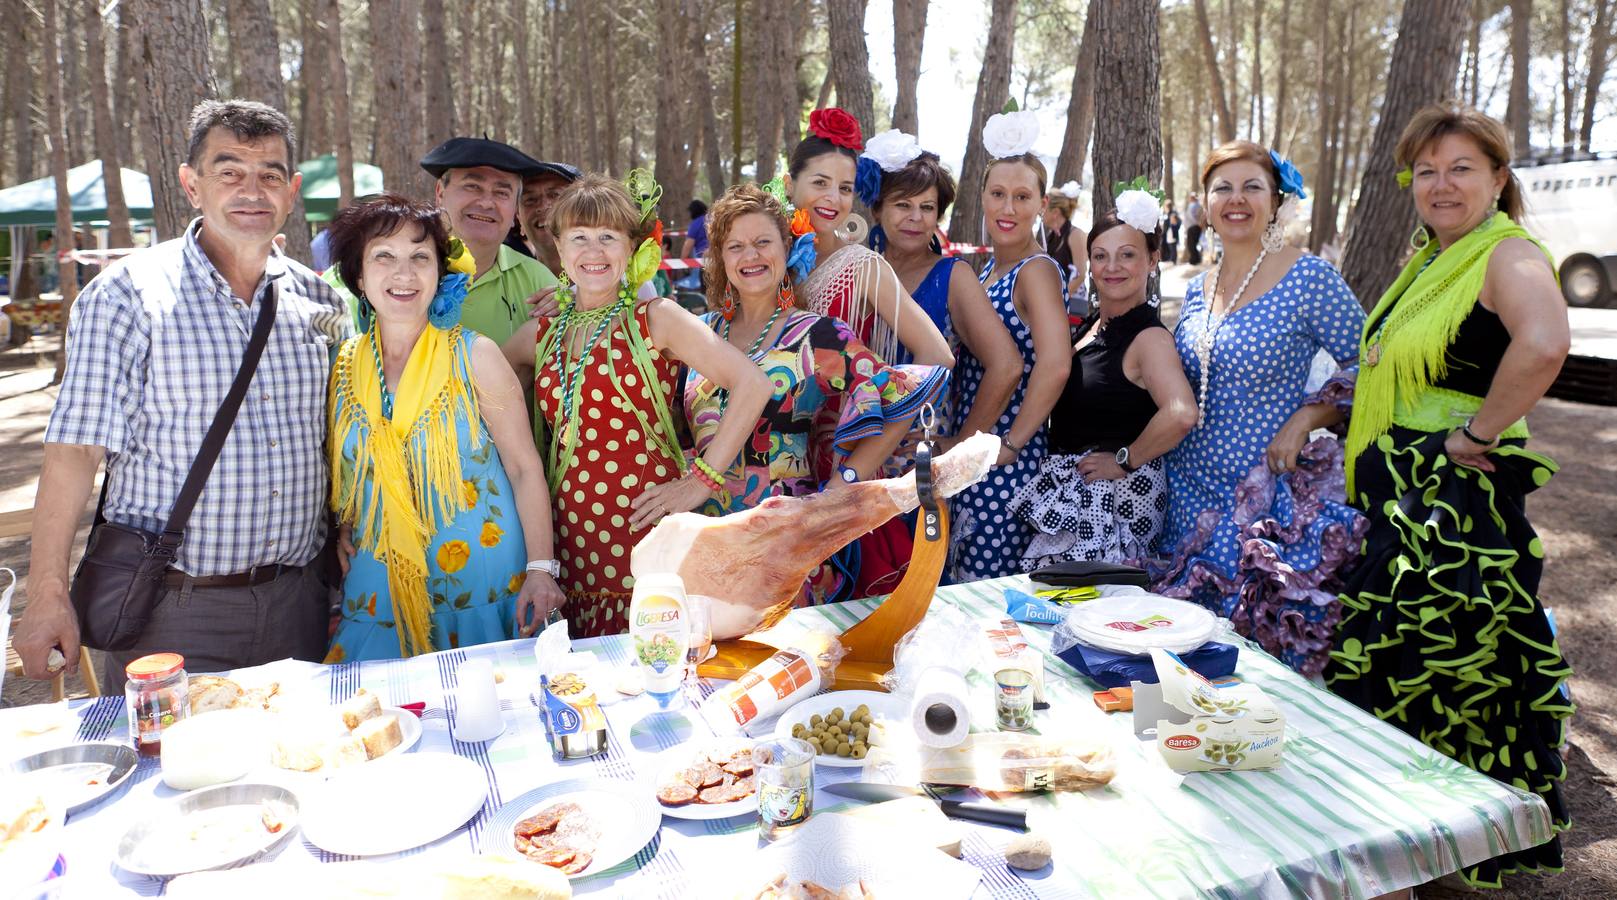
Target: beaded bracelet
[(711, 473), (707, 481)]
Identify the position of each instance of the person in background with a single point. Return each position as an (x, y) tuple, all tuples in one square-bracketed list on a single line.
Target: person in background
[(153, 347), (1258, 527), (915, 194), (440, 494), (540, 190), (320, 250), (1101, 494), (1171, 223), (1064, 241), (605, 371), (1027, 290), (1194, 223), (1443, 635), (695, 245)]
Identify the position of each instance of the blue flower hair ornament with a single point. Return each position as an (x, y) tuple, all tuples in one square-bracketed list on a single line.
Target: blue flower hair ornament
[(1291, 180), (867, 181), (444, 311), (803, 256)]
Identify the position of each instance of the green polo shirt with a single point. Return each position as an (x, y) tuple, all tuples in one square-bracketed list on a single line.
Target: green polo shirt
[(496, 304)]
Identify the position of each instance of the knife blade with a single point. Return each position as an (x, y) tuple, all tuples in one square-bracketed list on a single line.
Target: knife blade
[(989, 813)]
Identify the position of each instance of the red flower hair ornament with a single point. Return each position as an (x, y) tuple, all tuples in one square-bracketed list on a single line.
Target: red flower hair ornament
[(838, 127)]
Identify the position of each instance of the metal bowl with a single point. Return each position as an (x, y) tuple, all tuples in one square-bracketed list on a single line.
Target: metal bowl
[(197, 804), (119, 757)]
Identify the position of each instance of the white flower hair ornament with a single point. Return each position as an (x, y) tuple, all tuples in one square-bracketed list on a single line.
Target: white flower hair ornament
[(1138, 205), (1069, 190), (892, 149), (1010, 134)]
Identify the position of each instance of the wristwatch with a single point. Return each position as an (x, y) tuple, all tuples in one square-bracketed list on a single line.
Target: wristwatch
[(1123, 460), (848, 474), (551, 567)]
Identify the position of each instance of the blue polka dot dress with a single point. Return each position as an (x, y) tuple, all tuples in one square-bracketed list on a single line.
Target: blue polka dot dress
[(1261, 550), (988, 541)]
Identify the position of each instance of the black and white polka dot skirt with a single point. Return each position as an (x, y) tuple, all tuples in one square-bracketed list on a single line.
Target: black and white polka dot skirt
[(1073, 519)]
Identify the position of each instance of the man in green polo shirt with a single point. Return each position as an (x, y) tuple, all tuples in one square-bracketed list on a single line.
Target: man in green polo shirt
[(479, 184)]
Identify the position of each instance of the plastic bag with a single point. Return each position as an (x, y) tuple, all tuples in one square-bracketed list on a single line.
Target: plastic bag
[(945, 639), (1007, 761)]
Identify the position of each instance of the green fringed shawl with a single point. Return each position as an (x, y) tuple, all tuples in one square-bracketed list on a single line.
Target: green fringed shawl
[(1427, 306)]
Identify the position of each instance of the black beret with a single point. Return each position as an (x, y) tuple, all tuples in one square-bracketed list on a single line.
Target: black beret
[(469, 153), (563, 171)]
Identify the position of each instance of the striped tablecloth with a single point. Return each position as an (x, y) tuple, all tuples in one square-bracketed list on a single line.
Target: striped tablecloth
[(1357, 809)]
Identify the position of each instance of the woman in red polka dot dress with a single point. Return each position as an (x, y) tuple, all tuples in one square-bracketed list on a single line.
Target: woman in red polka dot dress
[(604, 370)]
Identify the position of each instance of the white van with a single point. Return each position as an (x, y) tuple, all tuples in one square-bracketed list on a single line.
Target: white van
[(1572, 207)]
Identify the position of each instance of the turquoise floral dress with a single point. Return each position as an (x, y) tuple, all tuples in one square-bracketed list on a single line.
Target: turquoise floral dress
[(476, 561)]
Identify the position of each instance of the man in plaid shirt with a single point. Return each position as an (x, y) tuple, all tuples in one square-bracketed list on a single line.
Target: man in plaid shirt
[(153, 346)]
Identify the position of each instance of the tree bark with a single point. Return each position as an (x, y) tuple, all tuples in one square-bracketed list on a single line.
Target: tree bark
[(1279, 141), (711, 147), (1425, 60), (796, 95), (1254, 119), (737, 47), (1600, 41), (55, 137), (1215, 77), (80, 134), (314, 134), (124, 109), (1167, 146), (672, 149), (106, 145), (176, 74), (1567, 99), (1232, 51), (1127, 96), (396, 152), (993, 87), (1474, 66), (257, 49), (440, 112), (1322, 227), (1519, 111), (850, 60), (466, 31), (774, 75), (1080, 104), (342, 131), (909, 32)]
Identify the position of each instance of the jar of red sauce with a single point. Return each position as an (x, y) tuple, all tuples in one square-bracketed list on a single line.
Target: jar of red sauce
[(157, 695)]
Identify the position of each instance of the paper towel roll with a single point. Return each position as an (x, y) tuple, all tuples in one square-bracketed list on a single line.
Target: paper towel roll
[(940, 713)]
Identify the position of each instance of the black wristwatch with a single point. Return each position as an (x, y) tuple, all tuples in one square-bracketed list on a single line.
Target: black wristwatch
[(1123, 460)]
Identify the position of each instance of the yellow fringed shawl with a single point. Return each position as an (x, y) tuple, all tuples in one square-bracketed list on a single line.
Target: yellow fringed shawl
[(1427, 306), (407, 470)]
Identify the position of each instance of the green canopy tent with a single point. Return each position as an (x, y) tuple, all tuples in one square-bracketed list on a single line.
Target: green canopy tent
[(34, 203), (320, 189)]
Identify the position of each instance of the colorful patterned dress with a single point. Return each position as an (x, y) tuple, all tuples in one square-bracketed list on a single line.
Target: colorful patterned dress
[(814, 364), (476, 561), (615, 462), (988, 541), (1262, 551)]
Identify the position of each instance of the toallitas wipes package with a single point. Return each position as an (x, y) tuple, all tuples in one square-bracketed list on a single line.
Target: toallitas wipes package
[(1229, 727)]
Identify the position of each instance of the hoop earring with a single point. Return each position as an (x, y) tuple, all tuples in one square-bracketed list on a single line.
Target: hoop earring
[(727, 303), (1273, 239), (785, 297), (1419, 238)]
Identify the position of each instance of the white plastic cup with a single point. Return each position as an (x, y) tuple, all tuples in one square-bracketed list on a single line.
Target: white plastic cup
[(477, 703)]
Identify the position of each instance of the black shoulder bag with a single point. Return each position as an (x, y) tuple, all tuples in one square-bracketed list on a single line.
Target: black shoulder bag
[(121, 577)]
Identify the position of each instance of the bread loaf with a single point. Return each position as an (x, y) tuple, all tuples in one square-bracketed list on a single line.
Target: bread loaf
[(361, 707), (212, 692), (379, 735)]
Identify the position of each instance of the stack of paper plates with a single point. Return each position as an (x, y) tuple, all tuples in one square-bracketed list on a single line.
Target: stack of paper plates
[(1139, 623)]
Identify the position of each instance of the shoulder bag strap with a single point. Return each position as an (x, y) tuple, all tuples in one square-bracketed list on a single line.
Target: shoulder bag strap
[(223, 420)]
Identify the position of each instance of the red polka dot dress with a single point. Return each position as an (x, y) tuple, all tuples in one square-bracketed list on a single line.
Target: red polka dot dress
[(614, 462)]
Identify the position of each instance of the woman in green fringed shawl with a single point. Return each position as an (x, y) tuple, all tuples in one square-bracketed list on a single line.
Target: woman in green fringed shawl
[(1442, 634)]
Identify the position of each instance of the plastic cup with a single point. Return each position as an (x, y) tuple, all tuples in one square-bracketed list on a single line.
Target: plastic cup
[(477, 703), (784, 768)]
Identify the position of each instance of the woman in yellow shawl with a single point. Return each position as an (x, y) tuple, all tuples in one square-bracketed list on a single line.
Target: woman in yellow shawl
[(1442, 632), (444, 510)]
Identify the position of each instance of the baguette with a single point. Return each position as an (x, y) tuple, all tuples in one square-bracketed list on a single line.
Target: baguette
[(212, 692), (361, 707), (379, 735)]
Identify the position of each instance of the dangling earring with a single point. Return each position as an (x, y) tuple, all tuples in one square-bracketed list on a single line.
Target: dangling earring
[(727, 303), (1493, 211), (564, 293), (1419, 238), (785, 298), (625, 296), (1153, 288), (1273, 239), (878, 239), (936, 246), (367, 313)]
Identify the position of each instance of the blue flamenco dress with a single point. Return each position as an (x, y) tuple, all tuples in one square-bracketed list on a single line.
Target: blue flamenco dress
[(476, 559)]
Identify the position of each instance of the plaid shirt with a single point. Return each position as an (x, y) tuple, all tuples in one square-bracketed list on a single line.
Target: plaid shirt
[(153, 346)]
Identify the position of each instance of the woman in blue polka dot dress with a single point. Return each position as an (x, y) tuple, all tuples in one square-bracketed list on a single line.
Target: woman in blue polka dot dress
[(1025, 287), (1258, 526)]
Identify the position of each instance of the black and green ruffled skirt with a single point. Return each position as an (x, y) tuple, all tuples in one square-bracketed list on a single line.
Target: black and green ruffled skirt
[(1442, 633)]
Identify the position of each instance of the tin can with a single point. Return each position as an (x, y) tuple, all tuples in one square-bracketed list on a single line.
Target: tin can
[(1013, 699)]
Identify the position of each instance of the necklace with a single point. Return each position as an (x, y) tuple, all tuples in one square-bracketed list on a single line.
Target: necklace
[(1373, 355), (1204, 346), (381, 376), (768, 326), (573, 376)]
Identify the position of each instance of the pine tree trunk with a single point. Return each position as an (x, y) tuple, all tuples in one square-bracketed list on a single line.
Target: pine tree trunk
[(1167, 145), (80, 137), (909, 31), (342, 130), (396, 152), (1565, 31), (850, 60), (1127, 96), (773, 76), (440, 124), (1474, 65), (1282, 82), (1425, 60), (1322, 227), (125, 112), (1232, 52), (1215, 76), (312, 137), (671, 123), (56, 132), (993, 87), (1519, 111), (1600, 41), (106, 146), (703, 87), (1254, 120), (796, 95), (467, 33), (8, 92), (1080, 104), (175, 72), (257, 49)]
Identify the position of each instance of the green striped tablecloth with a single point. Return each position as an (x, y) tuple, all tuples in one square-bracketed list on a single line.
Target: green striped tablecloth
[(1357, 808)]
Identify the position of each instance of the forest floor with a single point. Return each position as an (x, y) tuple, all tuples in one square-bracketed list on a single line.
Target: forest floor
[(1575, 514)]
